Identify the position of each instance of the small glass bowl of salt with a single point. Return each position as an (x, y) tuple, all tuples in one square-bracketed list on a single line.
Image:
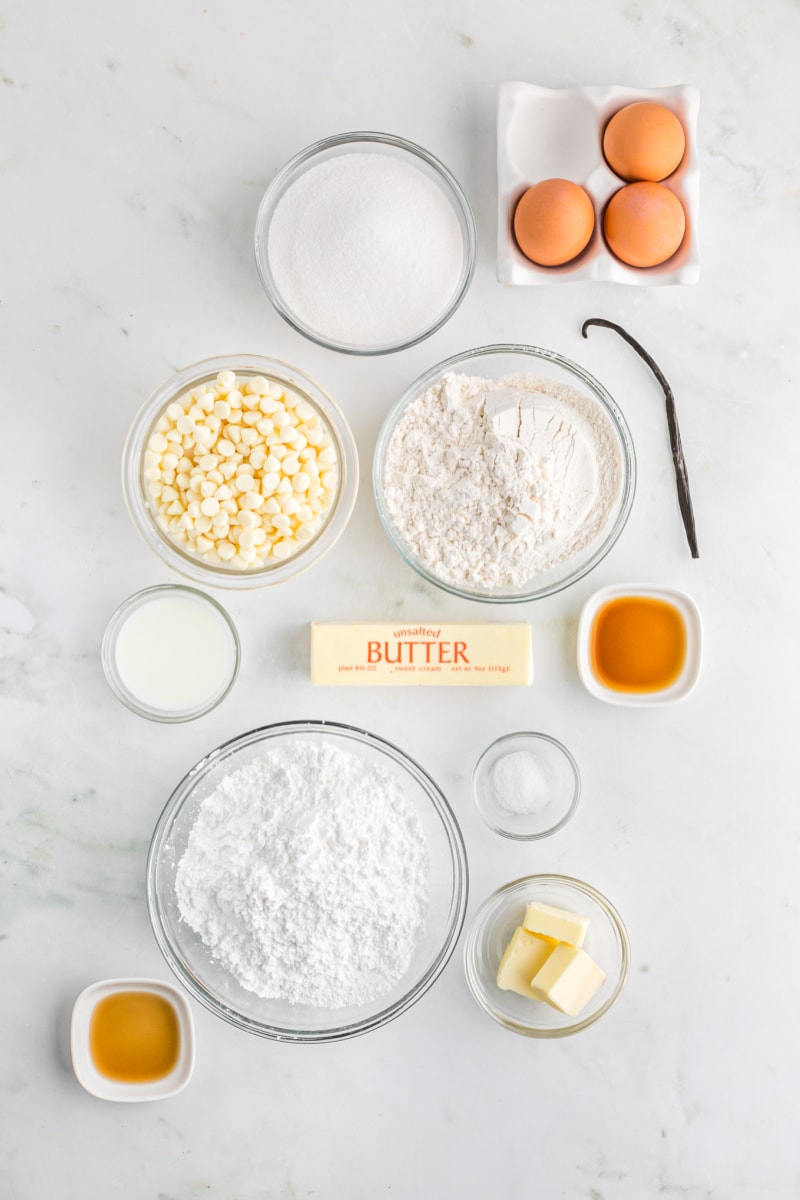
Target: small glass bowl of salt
[(526, 785)]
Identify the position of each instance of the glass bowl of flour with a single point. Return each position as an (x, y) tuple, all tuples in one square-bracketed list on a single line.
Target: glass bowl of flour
[(307, 882), (365, 243), (504, 474)]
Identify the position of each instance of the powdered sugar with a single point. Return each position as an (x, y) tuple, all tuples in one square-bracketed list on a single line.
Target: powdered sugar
[(306, 875), (365, 249), (491, 482)]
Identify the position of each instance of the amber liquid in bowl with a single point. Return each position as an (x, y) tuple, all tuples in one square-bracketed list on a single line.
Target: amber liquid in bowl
[(638, 644), (134, 1037)]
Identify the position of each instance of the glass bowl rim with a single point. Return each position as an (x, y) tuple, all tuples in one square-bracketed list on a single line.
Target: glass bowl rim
[(458, 902), (156, 539), (476, 927), (600, 393), (576, 788), (281, 181), (111, 631)]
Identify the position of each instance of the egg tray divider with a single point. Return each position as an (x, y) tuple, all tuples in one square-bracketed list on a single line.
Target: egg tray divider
[(546, 133)]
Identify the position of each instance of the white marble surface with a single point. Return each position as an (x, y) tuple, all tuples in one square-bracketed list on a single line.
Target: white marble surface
[(137, 140)]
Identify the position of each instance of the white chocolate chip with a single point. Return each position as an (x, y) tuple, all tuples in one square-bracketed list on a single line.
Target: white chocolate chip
[(264, 489), (284, 549)]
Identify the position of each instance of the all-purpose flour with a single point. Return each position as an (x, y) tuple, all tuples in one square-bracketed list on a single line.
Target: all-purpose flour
[(491, 482), (306, 875)]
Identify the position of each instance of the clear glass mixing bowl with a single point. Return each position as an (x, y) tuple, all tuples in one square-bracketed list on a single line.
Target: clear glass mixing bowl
[(140, 506), (496, 362), (365, 142), (280, 1020)]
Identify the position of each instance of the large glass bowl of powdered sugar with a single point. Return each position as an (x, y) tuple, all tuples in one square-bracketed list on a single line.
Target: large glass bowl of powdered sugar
[(307, 881), (365, 243), (504, 474)]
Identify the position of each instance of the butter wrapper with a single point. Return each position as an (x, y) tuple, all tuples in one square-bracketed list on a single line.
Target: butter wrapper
[(473, 654)]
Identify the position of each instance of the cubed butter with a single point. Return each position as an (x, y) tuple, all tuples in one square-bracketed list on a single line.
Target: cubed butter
[(558, 923), (567, 979), (525, 954), (466, 655)]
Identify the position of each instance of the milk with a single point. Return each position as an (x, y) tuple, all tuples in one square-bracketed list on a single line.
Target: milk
[(175, 652)]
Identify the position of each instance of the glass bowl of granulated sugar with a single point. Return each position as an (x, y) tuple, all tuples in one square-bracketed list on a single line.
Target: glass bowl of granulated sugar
[(307, 882), (365, 243), (504, 474)]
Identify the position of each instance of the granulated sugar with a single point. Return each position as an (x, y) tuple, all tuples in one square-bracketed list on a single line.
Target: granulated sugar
[(491, 482), (365, 249), (306, 875)]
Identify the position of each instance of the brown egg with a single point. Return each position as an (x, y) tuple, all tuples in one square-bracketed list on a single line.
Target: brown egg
[(553, 222), (644, 224), (644, 141)]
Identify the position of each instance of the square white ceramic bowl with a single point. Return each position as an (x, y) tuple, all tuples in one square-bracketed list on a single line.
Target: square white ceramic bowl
[(546, 133), (100, 1085), (690, 673)]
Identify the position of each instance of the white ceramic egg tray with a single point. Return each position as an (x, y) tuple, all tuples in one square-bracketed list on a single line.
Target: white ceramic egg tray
[(544, 133)]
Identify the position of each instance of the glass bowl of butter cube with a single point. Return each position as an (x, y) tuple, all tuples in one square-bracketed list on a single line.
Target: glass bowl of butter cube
[(546, 956), (240, 472)]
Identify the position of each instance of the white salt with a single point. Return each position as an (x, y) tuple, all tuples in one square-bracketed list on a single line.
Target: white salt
[(365, 250), (521, 785)]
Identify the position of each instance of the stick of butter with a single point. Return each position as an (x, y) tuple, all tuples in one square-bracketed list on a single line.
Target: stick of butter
[(477, 653), (523, 958), (567, 979), (556, 923)]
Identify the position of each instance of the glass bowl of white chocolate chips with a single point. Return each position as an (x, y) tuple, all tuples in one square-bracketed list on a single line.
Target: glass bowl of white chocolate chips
[(546, 956), (240, 472)]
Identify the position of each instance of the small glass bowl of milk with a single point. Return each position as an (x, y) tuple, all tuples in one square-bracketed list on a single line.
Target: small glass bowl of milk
[(170, 653)]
